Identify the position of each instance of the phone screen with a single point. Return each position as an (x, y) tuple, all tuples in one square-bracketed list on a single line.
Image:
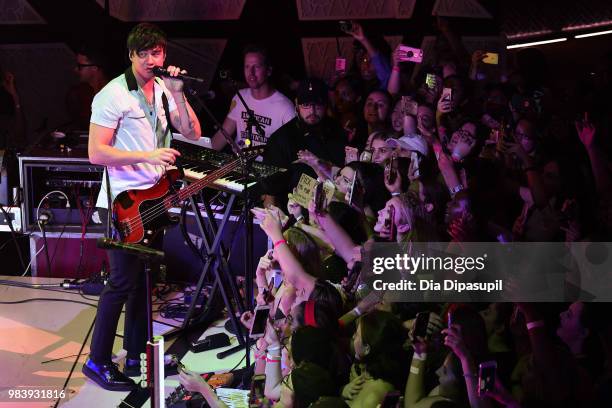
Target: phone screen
[(391, 170), (259, 321), (486, 377), (420, 325), (431, 80), (491, 58), (319, 198)]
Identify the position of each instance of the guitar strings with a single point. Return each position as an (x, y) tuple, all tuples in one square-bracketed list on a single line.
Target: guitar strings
[(160, 208)]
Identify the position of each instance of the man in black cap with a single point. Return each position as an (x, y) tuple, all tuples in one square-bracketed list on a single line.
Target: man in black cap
[(312, 130)]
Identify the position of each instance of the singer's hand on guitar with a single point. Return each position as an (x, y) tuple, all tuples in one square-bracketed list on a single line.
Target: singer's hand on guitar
[(174, 85), (163, 156)]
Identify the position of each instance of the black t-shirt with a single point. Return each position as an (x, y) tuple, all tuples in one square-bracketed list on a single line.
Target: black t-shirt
[(325, 140)]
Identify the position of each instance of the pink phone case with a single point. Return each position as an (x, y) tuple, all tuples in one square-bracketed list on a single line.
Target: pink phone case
[(411, 54)]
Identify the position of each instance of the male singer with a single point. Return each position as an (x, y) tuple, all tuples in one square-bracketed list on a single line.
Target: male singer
[(129, 134)]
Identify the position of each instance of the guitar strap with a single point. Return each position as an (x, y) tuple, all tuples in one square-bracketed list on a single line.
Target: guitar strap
[(167, 112), (109, 208)]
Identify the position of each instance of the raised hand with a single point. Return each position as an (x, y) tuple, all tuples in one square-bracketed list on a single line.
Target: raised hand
[(357, 32), (454, 340), (8, 83), (272, 226), (586, 131), (351, 154)]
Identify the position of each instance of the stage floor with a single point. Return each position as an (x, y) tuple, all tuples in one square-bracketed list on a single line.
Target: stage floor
[(39, 341)]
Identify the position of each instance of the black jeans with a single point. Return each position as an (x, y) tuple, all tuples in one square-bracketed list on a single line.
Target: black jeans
[(126, 286)]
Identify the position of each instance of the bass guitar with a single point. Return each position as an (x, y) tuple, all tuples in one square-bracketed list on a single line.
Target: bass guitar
[(139, 215)]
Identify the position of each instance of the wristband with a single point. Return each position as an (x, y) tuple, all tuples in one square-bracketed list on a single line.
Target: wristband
[(419, 356), (279, 242), (455, 189), (274, 348), (535, 325), (357, 311), (396, 68), (273, 359), (395, 194), (414, 370)]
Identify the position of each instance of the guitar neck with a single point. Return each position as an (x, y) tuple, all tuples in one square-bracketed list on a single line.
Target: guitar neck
[(209, 179)]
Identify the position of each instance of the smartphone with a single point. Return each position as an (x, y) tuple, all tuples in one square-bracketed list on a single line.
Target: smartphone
[(352, 189), (415, 162), (410, 54), (409, 106), (340, 65), (259, 321), (346, 26), (391, 400), (391, 170), (319, 199), (257, 390), (392, 231), (431, 80), (447, 94), (491, 58), (365, 156), (486, 377), (420, 325)]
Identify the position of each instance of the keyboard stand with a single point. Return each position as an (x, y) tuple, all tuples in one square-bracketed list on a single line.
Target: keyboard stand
[(215, 260)]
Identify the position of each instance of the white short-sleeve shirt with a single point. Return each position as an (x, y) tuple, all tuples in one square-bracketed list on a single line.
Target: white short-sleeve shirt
[(119, 106), (271, 113)]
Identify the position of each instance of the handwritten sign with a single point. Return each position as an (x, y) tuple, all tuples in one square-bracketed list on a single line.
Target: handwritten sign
[(304, 192)]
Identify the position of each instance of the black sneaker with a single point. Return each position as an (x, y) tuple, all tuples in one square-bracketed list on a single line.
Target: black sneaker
[(108, 376)]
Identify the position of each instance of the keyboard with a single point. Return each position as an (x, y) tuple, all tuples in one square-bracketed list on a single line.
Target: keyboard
[(197, 162)]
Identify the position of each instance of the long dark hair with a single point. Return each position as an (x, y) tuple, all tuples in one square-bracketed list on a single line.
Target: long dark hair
[(371, 178), (385, 335), (305, 250)]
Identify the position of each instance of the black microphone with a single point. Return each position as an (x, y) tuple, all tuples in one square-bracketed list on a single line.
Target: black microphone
[(134, 249), (162, 72)]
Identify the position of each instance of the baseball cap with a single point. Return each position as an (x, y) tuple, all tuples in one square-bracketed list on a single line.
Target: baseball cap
[(414, 143), (312, 90)]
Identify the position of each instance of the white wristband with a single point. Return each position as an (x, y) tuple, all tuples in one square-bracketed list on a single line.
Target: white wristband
[(419, 356), (535, 325)]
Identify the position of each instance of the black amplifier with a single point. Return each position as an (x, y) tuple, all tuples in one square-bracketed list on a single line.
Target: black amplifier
[(60, 189)]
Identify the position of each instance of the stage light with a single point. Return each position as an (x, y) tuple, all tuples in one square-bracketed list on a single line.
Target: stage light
[(529, 44), (593, 34)]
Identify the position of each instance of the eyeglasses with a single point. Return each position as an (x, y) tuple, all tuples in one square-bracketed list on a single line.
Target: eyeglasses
[(81, 66)]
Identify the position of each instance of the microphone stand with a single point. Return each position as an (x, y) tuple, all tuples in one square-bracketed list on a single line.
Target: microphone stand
[(247, 216)]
